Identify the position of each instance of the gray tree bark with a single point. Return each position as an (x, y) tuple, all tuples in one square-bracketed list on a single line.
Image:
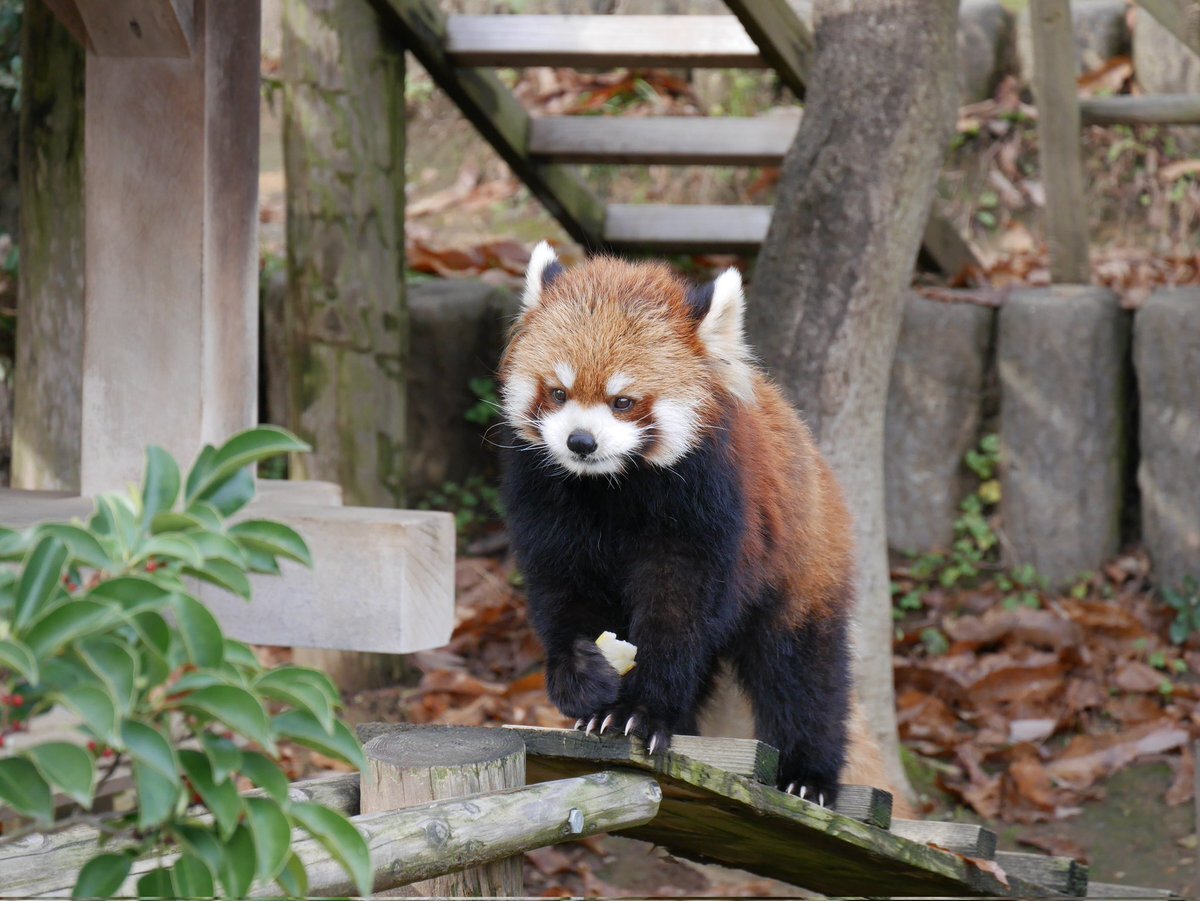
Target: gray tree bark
[(49, 374), (828, 290), (345, 316)]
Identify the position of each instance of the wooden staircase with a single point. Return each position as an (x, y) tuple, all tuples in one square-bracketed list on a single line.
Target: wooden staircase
[(456, 51)]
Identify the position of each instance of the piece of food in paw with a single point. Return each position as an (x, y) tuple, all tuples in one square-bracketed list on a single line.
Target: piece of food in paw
[(621, 655)]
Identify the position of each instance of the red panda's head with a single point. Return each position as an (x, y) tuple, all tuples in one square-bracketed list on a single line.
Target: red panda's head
[(612, 362)]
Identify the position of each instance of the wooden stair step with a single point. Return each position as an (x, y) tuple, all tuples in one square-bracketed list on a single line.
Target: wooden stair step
[(685, 228), (967, 839), (1063, 874), (674, 140), (713, 42)]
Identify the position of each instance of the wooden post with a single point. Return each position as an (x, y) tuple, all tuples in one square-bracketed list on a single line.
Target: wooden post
[(171, 271), (407, 766), (49, 376), (1056, 93)]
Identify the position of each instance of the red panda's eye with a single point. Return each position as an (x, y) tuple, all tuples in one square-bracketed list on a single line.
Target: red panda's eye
[(622, 404), (560, 396)]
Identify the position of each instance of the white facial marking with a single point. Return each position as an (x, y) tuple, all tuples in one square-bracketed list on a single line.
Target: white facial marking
[(615, 440), (618, 384), (543, 255), (517, 396), (678, 424), (566, 375)]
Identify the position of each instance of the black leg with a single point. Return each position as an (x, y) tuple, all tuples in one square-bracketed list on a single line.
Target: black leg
[(798, 681)]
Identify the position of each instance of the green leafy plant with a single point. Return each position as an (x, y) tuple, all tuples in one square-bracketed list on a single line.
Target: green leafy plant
[(1185, 601), (101, 618), (486, 408), (475, 504)]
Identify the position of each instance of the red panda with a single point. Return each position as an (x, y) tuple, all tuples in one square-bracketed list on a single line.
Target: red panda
[(659, 486)]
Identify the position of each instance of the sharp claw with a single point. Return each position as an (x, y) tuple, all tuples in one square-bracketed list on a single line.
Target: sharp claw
[(789, 789), (803, 792), (590, 726), (607, 722), (821, 799), (579, 724), (629, 726), (653, 743)]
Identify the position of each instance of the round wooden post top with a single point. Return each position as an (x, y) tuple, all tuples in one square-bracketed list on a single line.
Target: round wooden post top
[(408, 745)]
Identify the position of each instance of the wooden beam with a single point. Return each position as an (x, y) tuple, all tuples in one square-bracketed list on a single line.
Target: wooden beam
[(673, 140), (1149, 109), (67, 13), (694, 228), (968, 839), (139, 28), (711, 815), (1180, 17), (783, 38), (498, 116), (1127, 892), (601, 41), (1063, 874), (1058, 125)]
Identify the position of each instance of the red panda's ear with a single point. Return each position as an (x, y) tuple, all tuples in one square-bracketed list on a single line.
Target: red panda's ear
[(544, 267), (720, 328)]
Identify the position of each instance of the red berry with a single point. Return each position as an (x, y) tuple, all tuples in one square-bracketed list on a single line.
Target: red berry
[(16, 700), (109, 752), (91, 746), (151, 566)]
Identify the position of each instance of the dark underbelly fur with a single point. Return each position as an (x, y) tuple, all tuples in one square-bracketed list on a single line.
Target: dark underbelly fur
[(653, 555)]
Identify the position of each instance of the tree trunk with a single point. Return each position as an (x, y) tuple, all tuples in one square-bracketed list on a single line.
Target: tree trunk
[(343, 140), (854, 195), (345, 316), (49, 369)]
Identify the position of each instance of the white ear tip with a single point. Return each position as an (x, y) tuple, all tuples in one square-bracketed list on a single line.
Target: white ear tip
[(729, 280), (543, 256)]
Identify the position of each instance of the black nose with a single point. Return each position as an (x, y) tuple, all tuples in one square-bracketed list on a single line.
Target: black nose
[(581, 442)]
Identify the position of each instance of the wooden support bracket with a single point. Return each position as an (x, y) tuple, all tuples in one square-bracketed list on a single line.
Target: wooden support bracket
[(134, 28)]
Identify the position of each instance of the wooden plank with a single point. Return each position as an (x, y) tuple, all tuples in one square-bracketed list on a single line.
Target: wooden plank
[(686, 228), (1180, 17), (783, 38), (1128, 892), (601, 41), (944, 248), (740, 756), (1063, 874), (866, 804), (715, 816), (1149, 109), (498, 116), (672, 140), (139, 28), (1058, 127), (968, 839)]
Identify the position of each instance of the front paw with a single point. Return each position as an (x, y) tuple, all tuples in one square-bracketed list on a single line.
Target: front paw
[(655, 732), (810, 788), (582, 682)]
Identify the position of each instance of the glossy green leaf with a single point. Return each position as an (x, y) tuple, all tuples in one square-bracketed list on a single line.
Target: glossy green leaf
[(14, 545), (273, 537), (17, 657), (259, 561), (231, 494), (199, 472), (149, 746), (240, 451), (239, 654), (240, 863), (208, 516), (132, 593), (344, 843), (224, 757), (191, 879), (223, 574), (303, 728), (293, 686), (213, 545), (115, 664), (156, 795), (73, 620), (235, 708), (169, 523), (196, 680), (160, 487), (222, 799), (156, 884), (178, 548), (201, 843), (155, 646), (102, 875), (67, 767), (121, 515), (200, 632), (272, 836), (40, 577), (292, 878), (95, 708), (265, 773), (81, 544), (23, 788)]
